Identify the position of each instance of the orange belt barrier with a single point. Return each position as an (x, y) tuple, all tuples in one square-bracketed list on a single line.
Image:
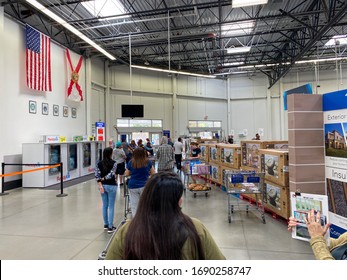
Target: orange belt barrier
[(27, 171)]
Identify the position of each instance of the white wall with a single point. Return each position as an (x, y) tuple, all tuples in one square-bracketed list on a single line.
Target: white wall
[(17, 124)]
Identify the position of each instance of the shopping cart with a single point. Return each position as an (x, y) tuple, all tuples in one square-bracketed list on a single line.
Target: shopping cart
[(193, 171), (245, 182)]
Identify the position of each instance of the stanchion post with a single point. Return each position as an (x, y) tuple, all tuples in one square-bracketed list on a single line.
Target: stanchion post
[(2, 179), (61, 182)]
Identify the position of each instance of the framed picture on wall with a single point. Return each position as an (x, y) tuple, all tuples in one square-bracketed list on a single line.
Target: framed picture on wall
[(55, 110), (65, 111), (32, 107), (74, 112), (45, 109)]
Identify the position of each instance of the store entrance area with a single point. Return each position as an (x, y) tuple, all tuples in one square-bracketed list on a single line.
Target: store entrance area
[(37, 225)]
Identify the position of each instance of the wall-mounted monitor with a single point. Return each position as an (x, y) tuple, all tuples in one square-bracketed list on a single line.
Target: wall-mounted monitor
[(132, 111)]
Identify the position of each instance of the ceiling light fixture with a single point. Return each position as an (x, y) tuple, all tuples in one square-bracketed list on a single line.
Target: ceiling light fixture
[(337, 40), (232, 63), (58, 19), (238, 50), (244, 3), (173, 71), (237, 28), (321, 60), (102, 8)]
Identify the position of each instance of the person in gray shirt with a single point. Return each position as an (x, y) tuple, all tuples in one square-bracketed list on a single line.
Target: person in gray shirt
[(165, 156)]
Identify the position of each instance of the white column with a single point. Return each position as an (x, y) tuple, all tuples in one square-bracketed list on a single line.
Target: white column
[(229, 123), (269, 115), (108, 112), (175, 115)]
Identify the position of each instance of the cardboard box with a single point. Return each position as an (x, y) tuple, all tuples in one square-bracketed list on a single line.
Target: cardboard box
[(213, 154), (215, 173), (204, 152), (277, 199), (250, 157), (275, 165), (230, 155)]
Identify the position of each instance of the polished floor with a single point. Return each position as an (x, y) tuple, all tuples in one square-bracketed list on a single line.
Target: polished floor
[(37, 225)]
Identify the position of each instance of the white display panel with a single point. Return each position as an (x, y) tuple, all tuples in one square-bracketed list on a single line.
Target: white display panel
[(55, 153), (87, 155), (73, 161)]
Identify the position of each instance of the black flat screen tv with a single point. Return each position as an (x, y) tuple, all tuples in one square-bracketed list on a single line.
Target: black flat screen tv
[(132, 111)]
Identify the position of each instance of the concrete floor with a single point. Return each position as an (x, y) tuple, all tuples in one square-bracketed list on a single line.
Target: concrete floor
[(37, 225)]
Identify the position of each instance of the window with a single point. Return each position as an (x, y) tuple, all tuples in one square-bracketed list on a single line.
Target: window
[(192, 124), (206, 135), (205, 124), (139, 123), (204, 129), (217, 124), (157, 123), (122, 123)]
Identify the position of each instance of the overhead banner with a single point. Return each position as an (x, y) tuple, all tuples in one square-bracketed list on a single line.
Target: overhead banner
[(335, 132)]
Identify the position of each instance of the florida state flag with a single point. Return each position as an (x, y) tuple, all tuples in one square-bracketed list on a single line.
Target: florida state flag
[(74, 91)]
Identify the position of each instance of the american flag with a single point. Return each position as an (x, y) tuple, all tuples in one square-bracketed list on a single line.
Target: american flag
[(38, 60)]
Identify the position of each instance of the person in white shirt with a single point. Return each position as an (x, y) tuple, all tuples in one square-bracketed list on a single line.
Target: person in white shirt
[(178, 146)]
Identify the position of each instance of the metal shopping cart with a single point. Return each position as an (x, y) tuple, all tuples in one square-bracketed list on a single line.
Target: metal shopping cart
[(195, 170), (245, 182)]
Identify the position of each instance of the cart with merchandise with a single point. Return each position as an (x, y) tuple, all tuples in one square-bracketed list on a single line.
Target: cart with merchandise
[(194, 170), (127, 211), (245, 182)]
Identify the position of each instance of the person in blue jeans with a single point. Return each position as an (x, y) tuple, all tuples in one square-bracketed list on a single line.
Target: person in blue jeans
[(139, 168), (105, 176)]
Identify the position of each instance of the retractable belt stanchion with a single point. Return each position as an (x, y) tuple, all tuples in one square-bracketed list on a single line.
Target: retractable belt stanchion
[(26, 171), (2, 179), (61, 182)]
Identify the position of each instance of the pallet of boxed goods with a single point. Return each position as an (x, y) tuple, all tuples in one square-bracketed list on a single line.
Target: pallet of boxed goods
[(213, 154), (275, 165), (215, 173), (250, 156), (277, 199), (204, 151), (230, 155)]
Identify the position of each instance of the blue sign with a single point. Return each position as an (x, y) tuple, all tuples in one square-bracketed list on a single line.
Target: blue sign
[(166, 133), (305, 89), (336, 231), (99, 124), (335, 100)]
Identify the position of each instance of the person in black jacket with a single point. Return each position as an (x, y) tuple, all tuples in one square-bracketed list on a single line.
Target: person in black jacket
[(105, 176)]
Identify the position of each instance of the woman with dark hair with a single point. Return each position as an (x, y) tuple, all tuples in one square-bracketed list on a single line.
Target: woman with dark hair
[(160, 230), (105, 176), (139, 168)]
